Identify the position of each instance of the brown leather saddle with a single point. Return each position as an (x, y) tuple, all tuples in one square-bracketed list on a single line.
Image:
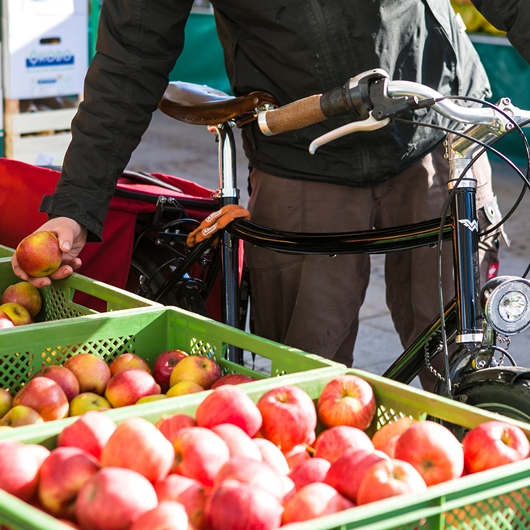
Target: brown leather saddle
[(202, 105)]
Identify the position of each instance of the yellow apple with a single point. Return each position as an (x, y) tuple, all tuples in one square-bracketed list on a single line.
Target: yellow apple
[(6, 402), (39, 254), (21, 415), (153, 397), (184, 387), (197, 368), (86, 401), (17, 313), (25, 294)]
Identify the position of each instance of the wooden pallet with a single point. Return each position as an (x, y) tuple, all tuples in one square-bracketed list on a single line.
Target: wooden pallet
[(39, 137)]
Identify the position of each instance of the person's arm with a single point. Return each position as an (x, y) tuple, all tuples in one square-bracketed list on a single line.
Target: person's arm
[(512, 16)]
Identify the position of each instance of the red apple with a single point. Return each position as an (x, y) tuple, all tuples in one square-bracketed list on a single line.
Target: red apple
[(199, 454), (163, 366), (138, 445), (5, 321), (187, 491), (197, 368), (92, 372), (168, 515), (90, 432), (127, 387), (128, 360), (87, 401), (347, 400), (386, 437), (233, 379), (332, 443), (229, 404), (113, 499), (19, 469), (239, 506), (314, 500), (347, 472), (39, 254), (311, 470), (389, 478), (169, 426), (298, 454), (18, 314), (272, 455), (40, 452), (255, 473), (61, 476), (25, 294), (291, 406), (433, 450), (45, 396), (64, 377), (21, 415), (492, 444), (238, 441)]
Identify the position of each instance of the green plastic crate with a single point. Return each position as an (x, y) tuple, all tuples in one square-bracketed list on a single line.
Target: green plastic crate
[(146, 332), (496, 499), (6, 252), (76, 295)]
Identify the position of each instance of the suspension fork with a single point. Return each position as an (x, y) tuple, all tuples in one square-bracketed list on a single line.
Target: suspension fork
[(228, 193)]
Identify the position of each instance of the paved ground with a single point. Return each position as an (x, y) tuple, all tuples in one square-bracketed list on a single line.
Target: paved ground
[(191, 152)]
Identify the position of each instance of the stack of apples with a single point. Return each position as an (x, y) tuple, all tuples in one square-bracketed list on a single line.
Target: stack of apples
[(245, 464), (86, 382)]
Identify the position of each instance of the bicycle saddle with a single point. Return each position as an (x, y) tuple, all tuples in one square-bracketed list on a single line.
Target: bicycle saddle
[(202, 105)]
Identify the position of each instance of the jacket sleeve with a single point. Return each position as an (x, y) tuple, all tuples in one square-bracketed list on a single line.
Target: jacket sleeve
[(138, 44), (512, 16)]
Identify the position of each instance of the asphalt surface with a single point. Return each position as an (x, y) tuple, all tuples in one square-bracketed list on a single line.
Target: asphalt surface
[(190, 152)]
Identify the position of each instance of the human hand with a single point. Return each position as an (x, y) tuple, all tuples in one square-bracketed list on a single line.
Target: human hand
[(72, 238)]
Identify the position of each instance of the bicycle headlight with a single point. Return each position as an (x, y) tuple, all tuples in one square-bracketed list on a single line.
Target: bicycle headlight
[(506, 304)]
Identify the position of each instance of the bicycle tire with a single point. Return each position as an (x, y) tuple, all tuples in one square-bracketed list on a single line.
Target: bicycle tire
[(149, 270)]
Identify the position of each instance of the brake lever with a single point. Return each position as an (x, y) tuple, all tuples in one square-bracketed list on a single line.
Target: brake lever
[(369, 124)]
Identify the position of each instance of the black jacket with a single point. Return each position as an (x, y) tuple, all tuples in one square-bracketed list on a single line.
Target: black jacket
[(512, 16), (291, 49)]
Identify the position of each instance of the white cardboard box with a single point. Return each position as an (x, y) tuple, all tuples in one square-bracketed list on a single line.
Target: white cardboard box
[(45, 47)]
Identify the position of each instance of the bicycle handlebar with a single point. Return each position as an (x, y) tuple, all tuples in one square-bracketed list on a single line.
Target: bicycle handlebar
[(372, 99)]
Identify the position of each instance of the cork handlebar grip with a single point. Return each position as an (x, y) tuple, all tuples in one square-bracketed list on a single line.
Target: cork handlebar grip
[(296, 115)]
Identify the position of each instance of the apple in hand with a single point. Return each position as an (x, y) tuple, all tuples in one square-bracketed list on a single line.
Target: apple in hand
[(229, 404), (492, 444), (199, 454), (433, 450), (25, 294), (19, 469), (314, 500), (61, 476), (389, 478), (237, 505), (289, 416), (18, 314), (168, 515), (39, 254), (128, 360), (347, 400), (89, 432), (45, 396), (65, 378), (114, 497), (5, 321), (164, 364), (332, 443), (92, 372), (86, 401), (21, 415), (197, 368), (127, 387)]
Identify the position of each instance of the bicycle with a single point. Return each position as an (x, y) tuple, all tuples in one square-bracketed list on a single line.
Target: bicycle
[(474, 322)]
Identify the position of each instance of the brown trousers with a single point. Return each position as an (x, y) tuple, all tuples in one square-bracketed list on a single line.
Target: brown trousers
[(313, 302)]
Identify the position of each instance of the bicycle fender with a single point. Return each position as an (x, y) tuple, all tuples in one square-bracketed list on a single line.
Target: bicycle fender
[(504, 374)]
